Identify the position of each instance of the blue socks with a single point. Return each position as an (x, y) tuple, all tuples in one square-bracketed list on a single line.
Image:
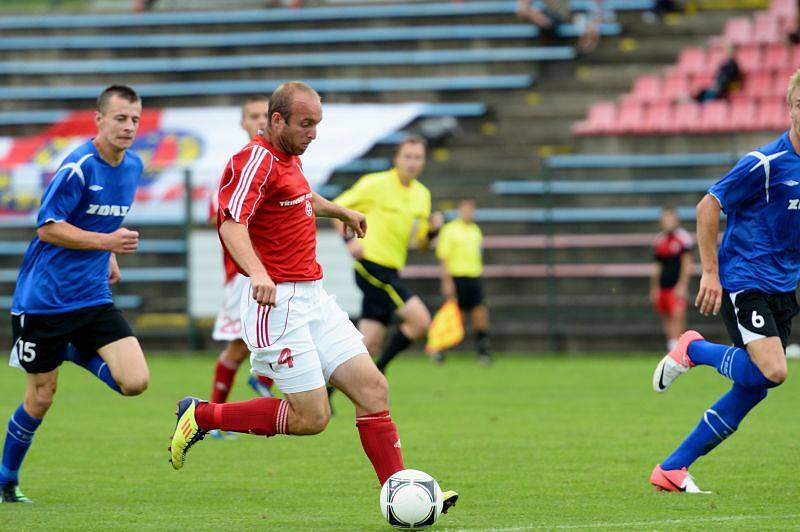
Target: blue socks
[(719, 422), (19, 436), (731, 362), (94, 364)]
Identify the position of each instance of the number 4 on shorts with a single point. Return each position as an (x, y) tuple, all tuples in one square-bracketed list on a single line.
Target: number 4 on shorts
[(286, 357)]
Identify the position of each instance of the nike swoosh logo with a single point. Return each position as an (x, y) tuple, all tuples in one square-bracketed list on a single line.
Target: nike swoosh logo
[(661, 380)]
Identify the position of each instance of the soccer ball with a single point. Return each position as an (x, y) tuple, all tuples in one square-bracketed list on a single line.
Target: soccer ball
[(411, 499)]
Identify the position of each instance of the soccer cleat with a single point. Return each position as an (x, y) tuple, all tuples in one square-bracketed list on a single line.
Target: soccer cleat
[(449, 499), (222, 434), (675, 363), (485, 359), (676, 480), (10, 492), (186, 432), (259, 387)]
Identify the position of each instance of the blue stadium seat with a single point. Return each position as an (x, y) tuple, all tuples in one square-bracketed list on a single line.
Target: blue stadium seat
[(262, 61), (459, 110), (653, 160), (602, 187), (360, 12), (147, 245), (123, 301), (190, 88), (363, 166), (130, 275)]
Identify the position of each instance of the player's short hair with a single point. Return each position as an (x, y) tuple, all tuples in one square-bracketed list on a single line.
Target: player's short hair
[(794, 83), (253, 99), (281, 100), (411, 139), (121, 91)]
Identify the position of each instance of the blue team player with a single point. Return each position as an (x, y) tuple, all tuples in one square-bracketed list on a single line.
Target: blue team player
[(752, 280), (62, 307)]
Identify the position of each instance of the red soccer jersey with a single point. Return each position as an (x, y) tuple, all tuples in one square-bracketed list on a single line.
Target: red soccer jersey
[(668, 249), (265, 190)]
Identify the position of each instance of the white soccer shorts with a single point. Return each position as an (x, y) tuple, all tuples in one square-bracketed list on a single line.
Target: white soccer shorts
[(228, 325), (301, 341)]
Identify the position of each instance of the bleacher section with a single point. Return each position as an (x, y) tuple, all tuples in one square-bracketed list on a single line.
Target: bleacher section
[(664, 104), (568, 235)]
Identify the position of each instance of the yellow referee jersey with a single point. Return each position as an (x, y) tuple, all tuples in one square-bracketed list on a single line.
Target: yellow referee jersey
[(395, 213), (459, 248)]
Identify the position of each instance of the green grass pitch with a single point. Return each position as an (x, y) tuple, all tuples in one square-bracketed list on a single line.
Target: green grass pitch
[(531, 444)]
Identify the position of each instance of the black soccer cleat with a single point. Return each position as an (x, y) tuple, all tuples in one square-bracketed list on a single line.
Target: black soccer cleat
[(10, 492)]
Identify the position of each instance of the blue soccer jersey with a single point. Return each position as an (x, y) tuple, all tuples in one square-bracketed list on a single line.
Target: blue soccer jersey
[(761, 197), (92, 195)]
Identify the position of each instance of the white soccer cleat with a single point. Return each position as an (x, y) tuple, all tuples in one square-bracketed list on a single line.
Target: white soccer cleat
[(675, 363)]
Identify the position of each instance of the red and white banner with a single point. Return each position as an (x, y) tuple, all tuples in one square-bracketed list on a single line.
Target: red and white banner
[(170, 141)]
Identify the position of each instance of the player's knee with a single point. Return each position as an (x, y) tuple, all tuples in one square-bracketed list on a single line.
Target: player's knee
[(418, 325), (375, 394), (39, 402), (315, 421), (235, 352), (134, 384), (777, 374)]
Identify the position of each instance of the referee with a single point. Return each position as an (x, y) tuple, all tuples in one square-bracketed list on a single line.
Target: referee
[(398, 210), (459, 250)]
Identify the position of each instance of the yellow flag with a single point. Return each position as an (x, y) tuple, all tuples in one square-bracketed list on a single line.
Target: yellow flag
[(447, 329)]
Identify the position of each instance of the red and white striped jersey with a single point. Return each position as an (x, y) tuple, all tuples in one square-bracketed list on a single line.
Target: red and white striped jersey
[(265, 190)]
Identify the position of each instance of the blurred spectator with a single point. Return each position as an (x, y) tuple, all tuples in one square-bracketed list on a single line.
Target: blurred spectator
[(794, 37), (143, 5), (588, 25), (727, 79), (554, 14)]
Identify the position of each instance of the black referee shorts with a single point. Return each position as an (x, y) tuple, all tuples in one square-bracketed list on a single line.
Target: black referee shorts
[(469, 292), (384, 291)]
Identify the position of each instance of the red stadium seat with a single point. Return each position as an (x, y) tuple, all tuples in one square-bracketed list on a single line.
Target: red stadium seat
[(692, 60), (795, 53), (738, 30), (700, 81), (687, 117), (647, 88), (715, 55), (714, 116), (631, 117), (676, 86), (742, 115), (773, 115), (659, 118), (748, 56), (758, 84), (600, 120), (777, 56), (767, 28)]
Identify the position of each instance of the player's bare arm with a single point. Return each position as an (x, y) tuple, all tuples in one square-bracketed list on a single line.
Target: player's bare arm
[(350, 220), (238, 243), (709, 296), (64, 234), (114, 275), (687, 265)]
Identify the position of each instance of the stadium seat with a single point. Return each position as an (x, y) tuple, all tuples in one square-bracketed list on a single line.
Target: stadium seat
[(658, 118), (631, 118), (758, 84), (777, 56), (692, 60), (715, 55), (687, 117), (767, 28), (738, 30), (743, 115), (700, 81), (647, 88), (773, 114), (676, 86), (748, 57), (714, 116), (600, 120)]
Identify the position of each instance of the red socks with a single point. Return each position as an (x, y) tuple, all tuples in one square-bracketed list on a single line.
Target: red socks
[(265, 416), (223, 381), (381, 443)]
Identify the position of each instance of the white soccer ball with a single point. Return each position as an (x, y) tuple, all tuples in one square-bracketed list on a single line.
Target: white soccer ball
[(411, 499), (793, 351)]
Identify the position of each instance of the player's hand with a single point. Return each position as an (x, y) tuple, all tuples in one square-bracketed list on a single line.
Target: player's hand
[(436, 220), (448, 289), (355, 223), (263, 289), (122, 241), (114, 275), (355, 249), (709, 297)]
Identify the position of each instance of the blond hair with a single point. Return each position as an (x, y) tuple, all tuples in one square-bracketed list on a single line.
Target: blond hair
[(794, 82)]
